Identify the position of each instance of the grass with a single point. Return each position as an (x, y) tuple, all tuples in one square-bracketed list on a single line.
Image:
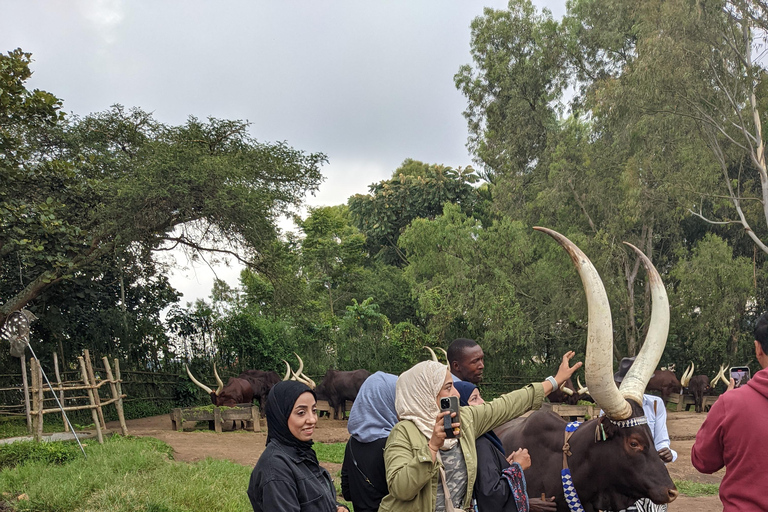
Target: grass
[(695, 489), (127, 475), (333, 452), (16, 426)]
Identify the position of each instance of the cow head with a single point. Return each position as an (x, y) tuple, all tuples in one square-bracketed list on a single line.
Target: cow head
[(627, 452), (228, 396), (621, 438)]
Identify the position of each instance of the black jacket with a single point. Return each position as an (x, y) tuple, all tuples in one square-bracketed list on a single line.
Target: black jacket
[(365, 495), (285, 481), (492, 490)]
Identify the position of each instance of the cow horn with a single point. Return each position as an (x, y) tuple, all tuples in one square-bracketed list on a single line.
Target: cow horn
[(218, 380), (287, 370), (301, 364), (441, 349), (720, 376), (634, 383), (197, 382), (567, 391), (434, 356), (687, 375), (598, 367), (301, 377), (582, 390)]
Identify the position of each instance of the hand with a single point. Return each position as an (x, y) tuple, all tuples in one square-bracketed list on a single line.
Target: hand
[(731, 385), (520, 456), (341, 508), (542, 505), (438, 432), (565, 371), (665, 454)]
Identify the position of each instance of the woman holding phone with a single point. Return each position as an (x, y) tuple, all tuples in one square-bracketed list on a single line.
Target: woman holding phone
[(287, 476), (426, 470)]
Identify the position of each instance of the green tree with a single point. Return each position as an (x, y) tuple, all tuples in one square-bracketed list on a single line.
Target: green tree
[(416, 190), (118, 179), (712, 290)]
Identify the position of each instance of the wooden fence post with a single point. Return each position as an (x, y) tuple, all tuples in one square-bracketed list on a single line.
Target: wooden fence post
[(37, 396), (118, 399), (25, 385), (61, 389), (119, 384), (91, 390), (96, 397)]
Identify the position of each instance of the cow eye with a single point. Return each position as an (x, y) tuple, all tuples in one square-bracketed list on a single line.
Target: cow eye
[(634, 444)]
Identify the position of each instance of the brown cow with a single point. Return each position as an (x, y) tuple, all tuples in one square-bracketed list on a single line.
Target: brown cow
[(338, 386), (561, 396), (665, 382), (612, 460)]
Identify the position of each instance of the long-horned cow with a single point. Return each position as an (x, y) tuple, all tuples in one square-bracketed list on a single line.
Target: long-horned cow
[(701, 385), (611, 461), (339, 386), (243, 389), (665, 382)]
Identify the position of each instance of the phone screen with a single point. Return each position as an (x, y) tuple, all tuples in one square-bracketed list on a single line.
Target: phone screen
[(740, 375)]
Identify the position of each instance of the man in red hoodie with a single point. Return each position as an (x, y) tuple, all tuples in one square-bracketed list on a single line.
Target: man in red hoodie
[(734, 436)]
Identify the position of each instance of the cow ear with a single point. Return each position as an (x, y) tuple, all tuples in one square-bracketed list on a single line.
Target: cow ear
[(605, 429)]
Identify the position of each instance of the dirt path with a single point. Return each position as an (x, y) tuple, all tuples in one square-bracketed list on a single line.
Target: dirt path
[(246, 447)]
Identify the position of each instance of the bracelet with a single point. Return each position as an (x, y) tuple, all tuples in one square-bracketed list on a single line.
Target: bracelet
[(552, 381)]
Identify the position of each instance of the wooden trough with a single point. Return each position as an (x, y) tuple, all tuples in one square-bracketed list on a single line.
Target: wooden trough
[(570, 412), (216, 416), (685, 402)]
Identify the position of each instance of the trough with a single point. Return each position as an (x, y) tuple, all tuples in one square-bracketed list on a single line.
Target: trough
[(215, 416)]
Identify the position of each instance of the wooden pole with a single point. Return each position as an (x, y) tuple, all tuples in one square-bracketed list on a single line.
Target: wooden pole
[(115, 396), (38, 376), (84, 372), (92, 378), (25, 385), (61, 391), (119, 384)]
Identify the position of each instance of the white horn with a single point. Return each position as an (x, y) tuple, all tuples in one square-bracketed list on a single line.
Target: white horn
[(722, 376), (218, 381), (197, 382), (287, 370), (441, 349), (598, 366), (434, 356), (582, 390), (567, 391), (301, 364), (687, 376), (633, 385)]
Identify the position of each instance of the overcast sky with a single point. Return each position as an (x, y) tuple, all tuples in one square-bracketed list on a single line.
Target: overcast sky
[(369, 83)]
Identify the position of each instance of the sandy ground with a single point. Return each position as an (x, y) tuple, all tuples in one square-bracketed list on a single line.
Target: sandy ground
[(246, 447)]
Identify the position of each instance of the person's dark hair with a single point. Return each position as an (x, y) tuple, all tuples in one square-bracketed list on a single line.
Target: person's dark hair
[(761, 331), (457, 347)]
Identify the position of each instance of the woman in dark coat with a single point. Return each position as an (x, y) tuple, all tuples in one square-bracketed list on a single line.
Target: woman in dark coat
[(500, 484), (287, 476)]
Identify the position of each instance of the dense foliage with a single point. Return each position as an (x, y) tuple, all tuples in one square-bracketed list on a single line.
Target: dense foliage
[(625, 121)]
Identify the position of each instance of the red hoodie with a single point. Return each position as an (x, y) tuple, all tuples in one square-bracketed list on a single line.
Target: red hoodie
[(734, 436)]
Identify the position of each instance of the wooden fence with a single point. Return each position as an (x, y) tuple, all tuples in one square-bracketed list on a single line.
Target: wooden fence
[(89, 383)]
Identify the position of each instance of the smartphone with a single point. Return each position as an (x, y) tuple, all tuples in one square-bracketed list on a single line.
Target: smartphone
[(740, 374), (450, 403)]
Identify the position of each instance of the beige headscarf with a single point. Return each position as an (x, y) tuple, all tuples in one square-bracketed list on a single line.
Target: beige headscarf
[(416, 397)]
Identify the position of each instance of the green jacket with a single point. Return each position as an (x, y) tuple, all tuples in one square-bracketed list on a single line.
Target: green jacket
[(412, 477)]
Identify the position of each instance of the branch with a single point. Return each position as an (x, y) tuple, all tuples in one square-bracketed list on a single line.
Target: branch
[(715, 222), (181, 240)]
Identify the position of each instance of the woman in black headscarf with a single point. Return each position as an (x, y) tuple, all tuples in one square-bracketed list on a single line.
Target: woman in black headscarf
[(500, 483), (287, 476)]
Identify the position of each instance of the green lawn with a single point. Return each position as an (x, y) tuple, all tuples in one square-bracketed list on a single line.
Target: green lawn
[(124, 474)]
